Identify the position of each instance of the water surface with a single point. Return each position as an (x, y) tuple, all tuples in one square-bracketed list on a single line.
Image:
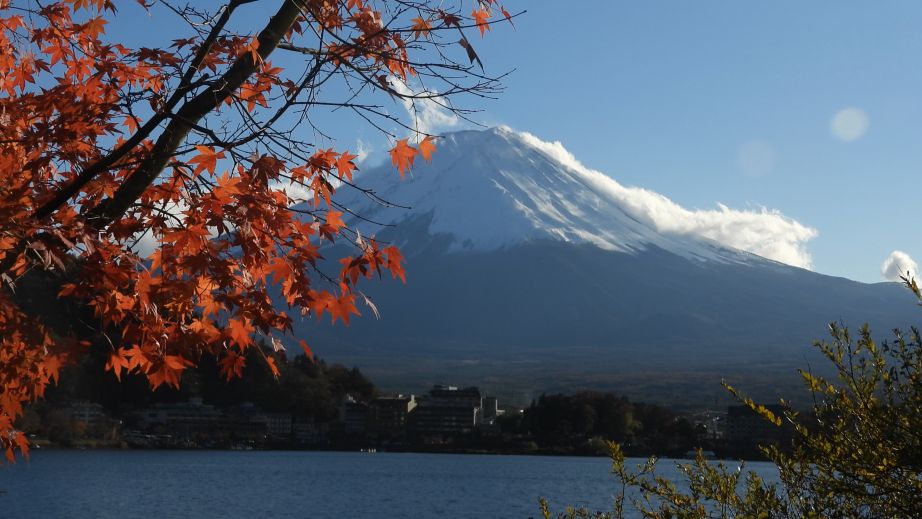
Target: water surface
[(269, 484)]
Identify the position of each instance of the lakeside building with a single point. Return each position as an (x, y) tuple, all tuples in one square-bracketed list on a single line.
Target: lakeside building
[(444, 413), (87, 414), (490, 409), (187, 419), (306, 431), (353, 415), (447, 411), (193, 419), (388, 416), (279, 425), (90, 420)]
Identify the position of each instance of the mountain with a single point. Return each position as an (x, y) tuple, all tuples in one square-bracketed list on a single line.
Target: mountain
[(527, 274)]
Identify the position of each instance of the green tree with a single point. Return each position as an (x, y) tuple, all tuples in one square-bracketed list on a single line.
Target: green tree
[(858, 453)]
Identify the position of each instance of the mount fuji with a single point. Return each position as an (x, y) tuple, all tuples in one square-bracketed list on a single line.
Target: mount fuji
[(528, 272)]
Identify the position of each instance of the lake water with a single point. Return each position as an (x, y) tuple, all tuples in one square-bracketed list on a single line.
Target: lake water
[(269, 484)]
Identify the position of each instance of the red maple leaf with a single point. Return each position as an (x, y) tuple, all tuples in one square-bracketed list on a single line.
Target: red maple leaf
[(240, 331), (206, 159), (402, 155), (426, 147)]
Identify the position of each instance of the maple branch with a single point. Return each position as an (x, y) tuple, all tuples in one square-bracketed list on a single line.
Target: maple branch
[(185, 82), (88, 174), (190, 113), (291, 100)]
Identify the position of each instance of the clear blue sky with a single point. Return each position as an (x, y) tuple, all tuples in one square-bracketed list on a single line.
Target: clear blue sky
[(715, 101)]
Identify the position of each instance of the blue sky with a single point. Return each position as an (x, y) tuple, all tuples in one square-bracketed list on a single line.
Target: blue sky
[(715, 102)]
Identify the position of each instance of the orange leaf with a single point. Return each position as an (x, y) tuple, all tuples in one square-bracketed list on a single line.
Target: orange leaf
[(52, 366), (426, 147), (131, 123), (253, 49), (342, 308), (232, 365), (95, 26), (227, 186), (206, 159), (272, 366), (306, 348), (421, 27), (481, 18), (344, 165), (402, 155), (507, 15), (117, 362), (240, 331), (169, 372), (137, 358), (395, 263), (334, 220)]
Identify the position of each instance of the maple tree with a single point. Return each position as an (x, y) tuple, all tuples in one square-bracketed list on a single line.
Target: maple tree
[(198, 147)]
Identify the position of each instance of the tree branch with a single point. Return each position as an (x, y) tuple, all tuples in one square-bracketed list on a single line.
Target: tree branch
[(189, 115)]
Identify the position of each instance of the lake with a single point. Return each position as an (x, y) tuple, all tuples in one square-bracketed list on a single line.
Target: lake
[(261, 484)]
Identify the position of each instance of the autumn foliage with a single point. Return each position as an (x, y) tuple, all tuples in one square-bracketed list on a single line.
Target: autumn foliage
[(199, 149)]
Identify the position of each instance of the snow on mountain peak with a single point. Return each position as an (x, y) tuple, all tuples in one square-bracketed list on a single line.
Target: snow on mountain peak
[(499, 187)]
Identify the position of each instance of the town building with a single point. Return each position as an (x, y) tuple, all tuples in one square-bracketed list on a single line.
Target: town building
[(186, 419), (388, 417), (279, 424), (194, 419), (490, 409), (87, 414), (353, 415), (306, 431), (447, 411)]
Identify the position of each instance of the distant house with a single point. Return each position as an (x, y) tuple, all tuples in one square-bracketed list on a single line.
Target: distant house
[(354, 416), (489, 412), (187, 419), (447, 411), (90, 419), (87, 414), (279, 424), (305, 430), (388, 417), (490, 409)]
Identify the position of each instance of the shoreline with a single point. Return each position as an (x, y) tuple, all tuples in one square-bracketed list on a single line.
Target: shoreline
[(122, 446)]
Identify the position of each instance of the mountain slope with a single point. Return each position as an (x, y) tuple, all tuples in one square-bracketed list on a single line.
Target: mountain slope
[(525, 275)]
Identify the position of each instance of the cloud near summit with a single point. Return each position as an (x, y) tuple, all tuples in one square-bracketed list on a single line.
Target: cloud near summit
[(765, 232), (428, 116), (897, 264)]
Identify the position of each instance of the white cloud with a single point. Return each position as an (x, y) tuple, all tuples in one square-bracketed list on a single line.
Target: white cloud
[(299, 194), (897, 264), (756, 158), (146, 242), (765, 232), (362, 151), (849, 124), (427, 116)]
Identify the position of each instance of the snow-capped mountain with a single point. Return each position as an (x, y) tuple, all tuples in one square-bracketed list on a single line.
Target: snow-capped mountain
[(499, 188), (527, 271)]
